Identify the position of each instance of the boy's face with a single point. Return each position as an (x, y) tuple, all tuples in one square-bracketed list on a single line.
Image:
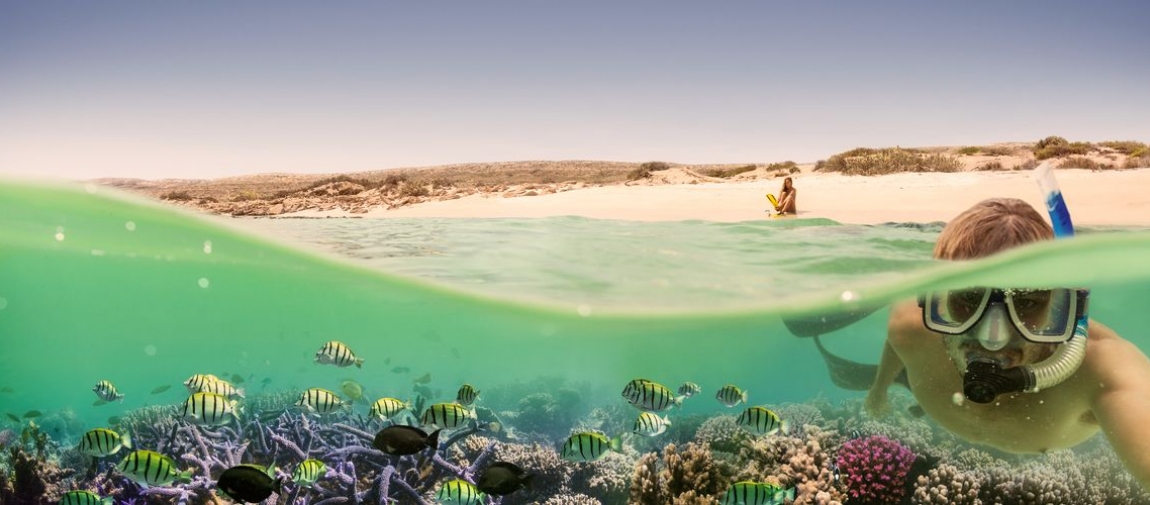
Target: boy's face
[(1015, 352)]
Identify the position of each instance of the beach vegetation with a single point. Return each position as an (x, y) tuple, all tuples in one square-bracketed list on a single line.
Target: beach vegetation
[(246, 195), (179, 196), (990, 166), (1127, 147), (1083, 162), (999, 150), (1138, 159), (867, 161), (1026, 165), (730, 172), (969, 151), (644, 171), (1058, 147), (414, 188)]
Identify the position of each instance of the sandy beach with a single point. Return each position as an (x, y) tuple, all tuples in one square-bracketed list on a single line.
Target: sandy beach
[(1114, 197)]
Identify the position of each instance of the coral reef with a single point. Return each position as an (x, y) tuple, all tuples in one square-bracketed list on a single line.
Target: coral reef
[(875, 469), (833, 454)]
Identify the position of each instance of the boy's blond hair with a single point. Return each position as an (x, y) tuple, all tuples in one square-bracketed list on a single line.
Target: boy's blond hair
[(991, 226)]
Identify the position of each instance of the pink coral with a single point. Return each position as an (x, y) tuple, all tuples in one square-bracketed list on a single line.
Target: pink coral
[(875, 469)]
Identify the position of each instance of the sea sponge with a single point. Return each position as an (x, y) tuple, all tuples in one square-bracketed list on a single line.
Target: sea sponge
[(875, 469)]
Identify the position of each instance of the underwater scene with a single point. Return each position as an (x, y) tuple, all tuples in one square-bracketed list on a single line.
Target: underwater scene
[(149, 355)]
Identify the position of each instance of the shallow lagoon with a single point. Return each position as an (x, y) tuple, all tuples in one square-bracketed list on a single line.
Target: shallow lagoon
[(548, 318)]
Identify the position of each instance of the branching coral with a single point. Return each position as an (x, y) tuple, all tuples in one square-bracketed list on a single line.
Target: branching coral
[(875, 469)]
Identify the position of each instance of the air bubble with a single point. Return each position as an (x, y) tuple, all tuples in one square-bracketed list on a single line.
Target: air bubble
[(957, 398), (207, 247), (204, 282), (130, 225), (3, 303), (91, 188), (848, 296), (583, 310), (97, 252), (150, 350), (59, 236)]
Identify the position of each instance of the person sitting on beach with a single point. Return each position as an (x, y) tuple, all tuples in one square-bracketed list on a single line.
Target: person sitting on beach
[(962, 349), (787, 198)]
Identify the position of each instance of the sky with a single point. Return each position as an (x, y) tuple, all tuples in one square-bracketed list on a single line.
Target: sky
[(210, 89)]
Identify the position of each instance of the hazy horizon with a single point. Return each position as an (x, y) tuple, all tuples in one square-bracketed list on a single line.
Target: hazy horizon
[(178, 90)]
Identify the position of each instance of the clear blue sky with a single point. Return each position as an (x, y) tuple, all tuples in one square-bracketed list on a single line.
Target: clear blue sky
[(206, 89)]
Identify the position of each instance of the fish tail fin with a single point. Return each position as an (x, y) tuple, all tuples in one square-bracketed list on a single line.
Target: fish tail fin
[(526, 481), (126, 441), (120, 397), (433, 440), (679, 401), (744, 397), (616, 444), (785, 426), (237, 410), (240, 392), (666, 420), (359, 362), (184, 476)]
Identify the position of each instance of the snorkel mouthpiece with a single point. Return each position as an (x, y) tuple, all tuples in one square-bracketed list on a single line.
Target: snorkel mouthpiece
[(985, 379)]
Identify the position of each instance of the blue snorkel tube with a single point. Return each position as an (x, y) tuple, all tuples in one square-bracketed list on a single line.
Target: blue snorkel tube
[(985, 380), (1065, 361)]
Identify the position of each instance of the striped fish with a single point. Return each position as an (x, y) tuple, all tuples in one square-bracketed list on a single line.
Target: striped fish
[(387, 408), (459, 492), (219, 387), (83, 498), (649, 424), (756, 493), (210, 409), (107, 392), (320, 401), (651, 396), (762, 421), (730, 395), (308, 472), (151, 469), (103, 442), (589, 446), (446, 415), (337, 353), (689, 389), (467, 395), (197, 382)]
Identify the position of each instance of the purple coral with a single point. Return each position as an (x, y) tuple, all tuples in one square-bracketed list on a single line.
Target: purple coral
[(875, 469)]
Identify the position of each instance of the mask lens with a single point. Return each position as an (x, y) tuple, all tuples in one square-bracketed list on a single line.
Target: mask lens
[(954, 311), (1043, 315)]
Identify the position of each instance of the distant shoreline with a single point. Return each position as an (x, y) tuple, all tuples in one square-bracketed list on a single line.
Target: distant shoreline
[(913, 185)]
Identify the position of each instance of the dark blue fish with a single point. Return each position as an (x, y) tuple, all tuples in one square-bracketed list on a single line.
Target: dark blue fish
[(161, 389)]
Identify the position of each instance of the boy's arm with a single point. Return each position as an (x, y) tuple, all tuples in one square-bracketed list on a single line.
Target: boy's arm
[(889, 367), (1122, 402)]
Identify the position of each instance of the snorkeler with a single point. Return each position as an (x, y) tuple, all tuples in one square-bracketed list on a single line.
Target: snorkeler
[(1021, 370)]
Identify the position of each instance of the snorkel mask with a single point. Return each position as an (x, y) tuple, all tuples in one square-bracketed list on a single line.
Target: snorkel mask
[(1050, 316)]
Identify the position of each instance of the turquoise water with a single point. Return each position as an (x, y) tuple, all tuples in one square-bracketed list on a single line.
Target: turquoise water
[(96, 286)]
